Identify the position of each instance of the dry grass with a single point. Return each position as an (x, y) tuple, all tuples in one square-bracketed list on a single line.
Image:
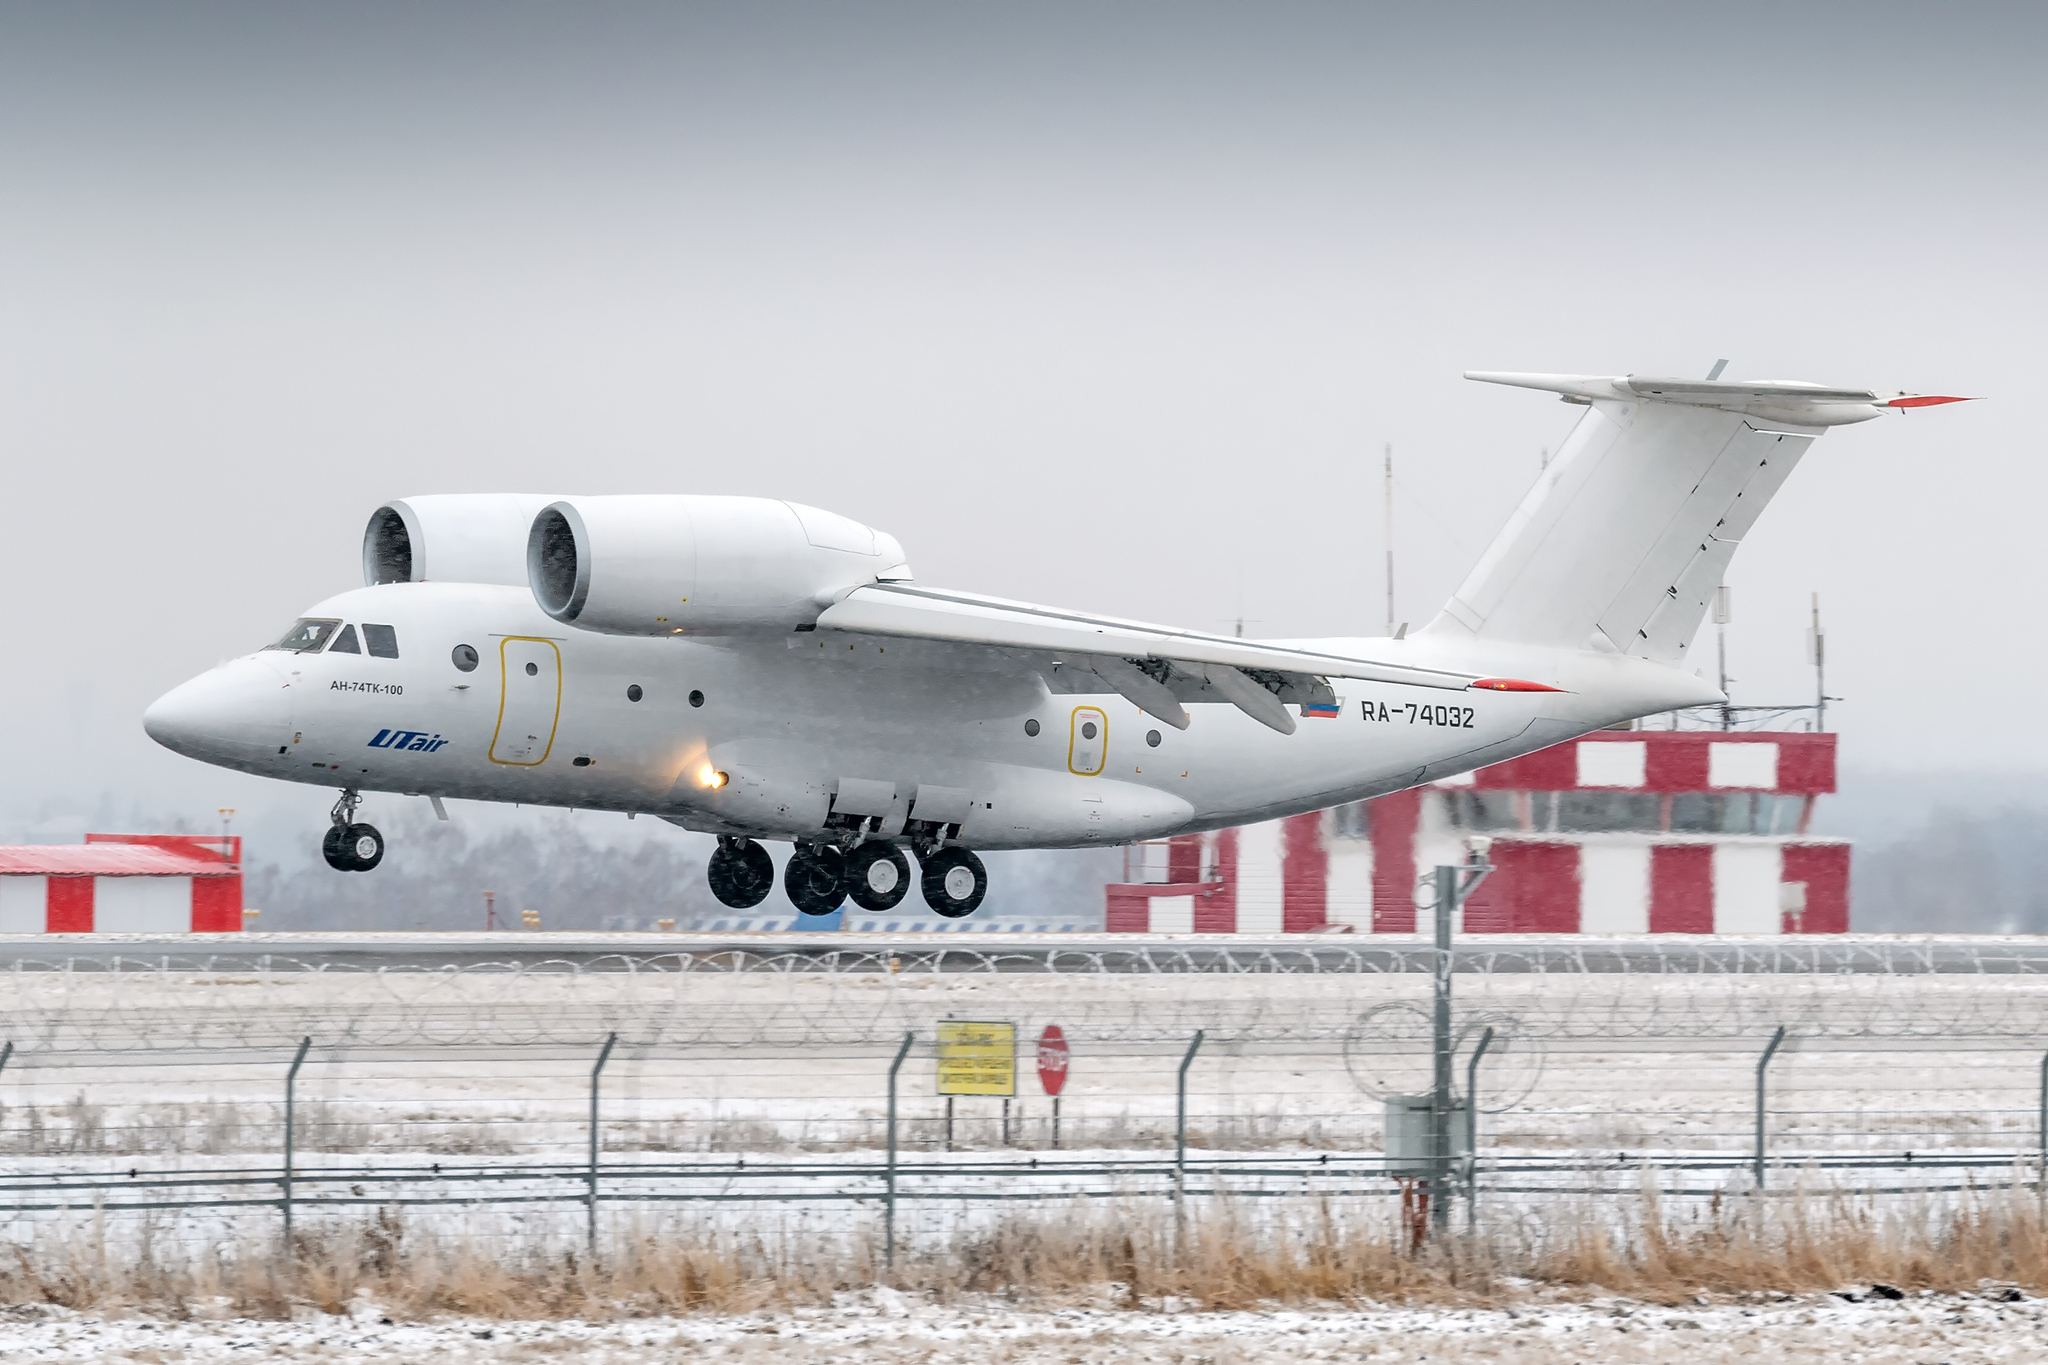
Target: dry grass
[(1229, 1256)]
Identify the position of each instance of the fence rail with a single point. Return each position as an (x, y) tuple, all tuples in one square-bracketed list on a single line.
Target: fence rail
[(576, 1095)]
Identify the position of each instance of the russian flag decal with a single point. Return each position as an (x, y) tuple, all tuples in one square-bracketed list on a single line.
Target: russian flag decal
[(1327, 709)]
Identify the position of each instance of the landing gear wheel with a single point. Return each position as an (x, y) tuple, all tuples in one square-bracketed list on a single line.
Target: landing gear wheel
[(352, 848), (877, 876), (954, 882), (741, 874), (815, 879), (365, 844)]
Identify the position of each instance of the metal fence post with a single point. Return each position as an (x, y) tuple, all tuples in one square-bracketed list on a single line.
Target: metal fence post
[(604, 1055), (1763, 1062), (889, 1202), (291, 1085), (1180, 1126), (1454, 882), (2040, 1182), (1443, 1052), (1472, 1131)]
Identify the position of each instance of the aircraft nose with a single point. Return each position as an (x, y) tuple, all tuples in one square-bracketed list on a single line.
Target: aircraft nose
[(237, 713)]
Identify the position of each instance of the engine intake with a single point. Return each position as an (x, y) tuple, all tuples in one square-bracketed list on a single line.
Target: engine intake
[(655, 564), (451, 537)]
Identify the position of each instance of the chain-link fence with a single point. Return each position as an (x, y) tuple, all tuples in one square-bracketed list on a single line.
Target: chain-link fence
[(563, 1101)]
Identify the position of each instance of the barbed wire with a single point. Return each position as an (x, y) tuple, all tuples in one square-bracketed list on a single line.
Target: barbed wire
[(1589, 994)]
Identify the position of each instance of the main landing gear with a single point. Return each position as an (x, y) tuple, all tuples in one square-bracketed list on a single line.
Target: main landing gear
[(741, 873), (820, 877), (348, 846)]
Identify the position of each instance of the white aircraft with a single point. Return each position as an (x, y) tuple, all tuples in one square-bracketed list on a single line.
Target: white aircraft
[(758, 669)]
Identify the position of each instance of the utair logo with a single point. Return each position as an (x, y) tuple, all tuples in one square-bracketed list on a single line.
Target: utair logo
[(419, 741)]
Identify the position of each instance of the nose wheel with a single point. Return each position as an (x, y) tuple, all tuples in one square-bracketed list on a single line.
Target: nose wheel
[(348, 846), (954, 882), (741, 873)]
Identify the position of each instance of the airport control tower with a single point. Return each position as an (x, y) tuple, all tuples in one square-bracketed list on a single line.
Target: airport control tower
[(1618, 832)]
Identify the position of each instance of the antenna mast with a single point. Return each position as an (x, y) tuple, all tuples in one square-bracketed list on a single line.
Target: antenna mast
[(1390, 537), (1724, 612), (1817, 651)]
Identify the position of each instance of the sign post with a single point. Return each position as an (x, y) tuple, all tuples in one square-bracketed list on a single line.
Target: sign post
[(1053, 1059), (976, 1057)]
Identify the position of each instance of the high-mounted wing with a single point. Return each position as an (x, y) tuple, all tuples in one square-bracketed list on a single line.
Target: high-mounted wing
[(1154, 667)]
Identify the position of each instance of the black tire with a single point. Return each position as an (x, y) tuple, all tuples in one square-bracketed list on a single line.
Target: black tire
[(364, 846), (334, 848), (741, 877), (877, 876), (951, 895), (815, 880)]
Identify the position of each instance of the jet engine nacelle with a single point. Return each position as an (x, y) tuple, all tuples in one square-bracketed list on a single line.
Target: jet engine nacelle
[(689, 564), (451, 538)]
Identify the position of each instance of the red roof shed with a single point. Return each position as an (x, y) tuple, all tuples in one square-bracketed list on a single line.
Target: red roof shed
[(123, 883)]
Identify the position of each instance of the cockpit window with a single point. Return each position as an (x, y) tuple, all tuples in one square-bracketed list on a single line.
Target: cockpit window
[(307, 635), (382, 640), (345, 643)]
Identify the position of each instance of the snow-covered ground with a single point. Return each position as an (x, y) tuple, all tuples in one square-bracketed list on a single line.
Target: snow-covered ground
[(116, 1076), (499, 1062), (884, 1327)]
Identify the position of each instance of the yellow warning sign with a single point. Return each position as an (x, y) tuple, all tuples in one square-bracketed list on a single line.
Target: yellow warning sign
[(977, 1058)]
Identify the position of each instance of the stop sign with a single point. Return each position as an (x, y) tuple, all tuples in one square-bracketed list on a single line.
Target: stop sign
[(1052, 1059)]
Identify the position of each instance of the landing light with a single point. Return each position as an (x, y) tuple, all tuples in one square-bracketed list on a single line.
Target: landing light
[(713, 778)]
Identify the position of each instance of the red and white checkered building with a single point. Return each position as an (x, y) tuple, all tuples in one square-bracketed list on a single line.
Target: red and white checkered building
[(1619, 832), (123, 884)]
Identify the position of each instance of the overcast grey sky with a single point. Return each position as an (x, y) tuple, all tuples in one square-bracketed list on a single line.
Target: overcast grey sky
[(1106, 306)]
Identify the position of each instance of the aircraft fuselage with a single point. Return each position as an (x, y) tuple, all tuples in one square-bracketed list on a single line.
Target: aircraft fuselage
[(768, 735)]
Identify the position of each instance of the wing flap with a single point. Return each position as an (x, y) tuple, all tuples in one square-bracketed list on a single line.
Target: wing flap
[(964, 618)]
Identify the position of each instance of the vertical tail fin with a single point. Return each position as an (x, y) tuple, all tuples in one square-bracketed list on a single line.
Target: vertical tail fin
[(1624, 538)]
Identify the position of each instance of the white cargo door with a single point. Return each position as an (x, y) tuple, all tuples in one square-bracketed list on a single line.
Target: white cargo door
[(529, 701)]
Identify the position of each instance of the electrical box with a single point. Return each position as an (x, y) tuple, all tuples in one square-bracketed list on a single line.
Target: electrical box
[(1408, 1134)]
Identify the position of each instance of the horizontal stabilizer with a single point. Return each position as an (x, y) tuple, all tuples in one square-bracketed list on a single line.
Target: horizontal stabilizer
[(1777, 400)]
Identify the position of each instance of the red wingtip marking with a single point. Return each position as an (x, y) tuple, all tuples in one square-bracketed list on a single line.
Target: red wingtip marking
[(1511, 685), (1925, 400)]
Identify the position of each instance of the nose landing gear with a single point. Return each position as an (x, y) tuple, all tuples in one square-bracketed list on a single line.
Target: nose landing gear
[(348, 846)]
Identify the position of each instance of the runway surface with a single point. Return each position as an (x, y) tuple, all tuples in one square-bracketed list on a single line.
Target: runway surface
[(1851, 954)]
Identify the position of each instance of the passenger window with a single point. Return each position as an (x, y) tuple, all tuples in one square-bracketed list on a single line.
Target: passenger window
[(307, 635), (345, 643), (382, 640)]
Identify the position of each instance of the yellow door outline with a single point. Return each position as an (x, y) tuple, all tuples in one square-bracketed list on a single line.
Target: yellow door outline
[(504, 686), (1074, 740)]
